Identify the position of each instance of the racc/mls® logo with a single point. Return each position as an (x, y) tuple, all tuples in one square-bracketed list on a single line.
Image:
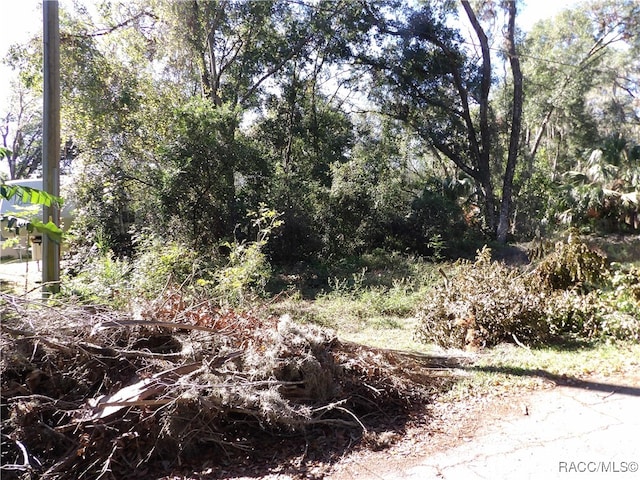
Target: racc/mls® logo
[(597, 467)]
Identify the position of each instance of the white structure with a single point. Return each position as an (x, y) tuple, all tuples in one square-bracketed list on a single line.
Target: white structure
[(15, 246)]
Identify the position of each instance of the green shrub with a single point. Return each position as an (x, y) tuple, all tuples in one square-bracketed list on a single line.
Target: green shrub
[(158, 264), (625, 282), (596, 315), (622, 316), (571, 314), (248, 269), (620, 325)]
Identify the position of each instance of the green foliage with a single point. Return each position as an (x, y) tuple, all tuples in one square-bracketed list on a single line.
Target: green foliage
[(621, 304), (23, 122), (248, 270), (380, 269), (160, 265), (351, 306), (438, 220), (438, 245), (363, 296), (247, 115), (105, 280), (32, 224), (204, 168), (535, 212), (571, 314), (574, 104), (626, 281), (102, 208), (601, 195), (348, 287), (306, 140), (595, 315), (400, 300), (31, 196)]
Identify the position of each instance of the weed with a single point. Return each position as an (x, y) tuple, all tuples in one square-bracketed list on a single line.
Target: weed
[(248, 269), (104, 281), (376, 307), (161, 263), (438, 245), (348, 287)]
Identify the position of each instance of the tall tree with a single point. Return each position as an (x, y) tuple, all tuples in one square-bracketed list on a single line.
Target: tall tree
[(581, 86), (570, 57), (434, 83), (21, 132), (306, 137), (248, 59), (516, 123)]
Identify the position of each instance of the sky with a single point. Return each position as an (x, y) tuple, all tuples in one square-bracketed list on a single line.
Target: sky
[(23, 19)]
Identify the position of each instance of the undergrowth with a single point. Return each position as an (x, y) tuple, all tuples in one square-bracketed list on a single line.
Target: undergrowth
[(236, 279), (573, 292), (367, 301)]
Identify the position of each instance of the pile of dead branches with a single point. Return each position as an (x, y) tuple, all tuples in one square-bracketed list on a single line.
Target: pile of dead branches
[(95, 393)]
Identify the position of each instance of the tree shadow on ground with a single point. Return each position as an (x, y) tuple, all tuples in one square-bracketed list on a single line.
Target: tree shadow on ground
[(559, 380), (570, 344)]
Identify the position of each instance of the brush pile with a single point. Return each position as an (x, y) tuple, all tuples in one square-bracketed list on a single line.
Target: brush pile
[(93, 393)]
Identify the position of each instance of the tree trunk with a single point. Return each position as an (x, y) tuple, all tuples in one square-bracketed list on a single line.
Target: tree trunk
[(489, 202), (483, 165), (516, 125)]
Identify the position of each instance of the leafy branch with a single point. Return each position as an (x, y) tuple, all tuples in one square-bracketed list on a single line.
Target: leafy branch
[(32, 196)]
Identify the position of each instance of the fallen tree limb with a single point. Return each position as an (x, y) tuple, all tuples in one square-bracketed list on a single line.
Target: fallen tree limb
[(149, 323)]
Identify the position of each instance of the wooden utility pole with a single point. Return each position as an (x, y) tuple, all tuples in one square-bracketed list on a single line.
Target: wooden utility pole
[(51, 142)]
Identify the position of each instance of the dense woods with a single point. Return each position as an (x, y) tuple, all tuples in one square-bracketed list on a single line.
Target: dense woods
[(364, 124)]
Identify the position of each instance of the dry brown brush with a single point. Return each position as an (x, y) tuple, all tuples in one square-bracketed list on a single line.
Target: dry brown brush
[(570, 294), (92, 393), (482, 304)]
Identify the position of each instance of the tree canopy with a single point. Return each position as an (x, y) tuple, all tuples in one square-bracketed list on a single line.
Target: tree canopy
[(367, 124)]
